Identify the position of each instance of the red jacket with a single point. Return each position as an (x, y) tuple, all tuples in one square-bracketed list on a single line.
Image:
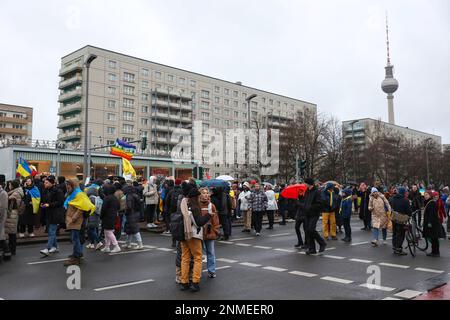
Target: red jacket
[(441, 210), (212, 227)]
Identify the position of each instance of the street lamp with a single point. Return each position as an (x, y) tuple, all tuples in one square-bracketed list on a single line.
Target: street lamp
[(87, 170), (248, 99), (428, 168), (353, 150)]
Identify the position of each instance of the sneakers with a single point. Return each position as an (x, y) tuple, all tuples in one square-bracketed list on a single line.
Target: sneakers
[(106, 249), (374, 243), (334, 238), (31, 235), (205, 259), (90, 246), (72, 262), (21, 235), (98, 246), (184, 286), (166, 232), (116, 249), (211, 275), (347, 240), (139, 246), (151, 226), (309, 252), (322, 247), (195, 287), (53, 250), (258, 234), (44, 252)]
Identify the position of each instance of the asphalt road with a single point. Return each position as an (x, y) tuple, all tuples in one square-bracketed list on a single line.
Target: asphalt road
[(249, 267)]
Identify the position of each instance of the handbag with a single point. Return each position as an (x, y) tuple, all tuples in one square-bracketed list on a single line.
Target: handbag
[(399, 218)]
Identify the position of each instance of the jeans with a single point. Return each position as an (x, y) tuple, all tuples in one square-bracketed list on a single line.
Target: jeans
[(52, 236), (312, 235), (270, 216), (77, 247), (376, 233), (92, 234), (150, 212), (136, 236), (208, 248), (257, 217), (398, 236), (347, 228), (298, 223)]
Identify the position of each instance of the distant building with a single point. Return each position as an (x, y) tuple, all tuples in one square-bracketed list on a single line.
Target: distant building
[(16, 123)]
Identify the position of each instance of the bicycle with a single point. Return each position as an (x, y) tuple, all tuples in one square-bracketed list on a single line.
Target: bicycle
[(414, 235)]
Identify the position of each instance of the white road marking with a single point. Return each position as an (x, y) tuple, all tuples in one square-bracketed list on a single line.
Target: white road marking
[(240, 239), (393, 265), (124, 285), (303, 274), (280, 235), (262, 247), (275, 269), (373, 286), (219, 268), (165, 249), (150, 247), (361, 260), (328, 249), (408, 294), (166, 234), (338, 280), (284, 250), (302, 252), (127, 252), (429, 270), (333, 257), (248, 264), (243, 244), (48, 261), (226, 260), (390, 298), (359, 243), (226, 242)]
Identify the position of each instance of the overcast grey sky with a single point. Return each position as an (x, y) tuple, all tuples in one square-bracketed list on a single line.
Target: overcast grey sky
[(331, 53)]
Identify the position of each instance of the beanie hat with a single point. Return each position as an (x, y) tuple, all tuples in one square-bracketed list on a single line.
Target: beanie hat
[(246, 184), (347, 191), (193, 193), (374, 190), (178, 182), (51, 179), (401, 191), (329, 186)]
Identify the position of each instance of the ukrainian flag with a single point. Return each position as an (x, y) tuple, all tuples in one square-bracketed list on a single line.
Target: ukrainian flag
[(23, 168), (79, 200), (35, 198)]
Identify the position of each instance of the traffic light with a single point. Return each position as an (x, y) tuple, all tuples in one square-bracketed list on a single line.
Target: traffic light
[(144, 143), (201, 172), (302, 166)]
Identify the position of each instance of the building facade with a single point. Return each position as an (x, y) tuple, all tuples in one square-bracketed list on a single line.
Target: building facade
[(131, 97), (16, 123)]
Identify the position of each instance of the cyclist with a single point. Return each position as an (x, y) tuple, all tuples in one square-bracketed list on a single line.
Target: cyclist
[(401, 205)]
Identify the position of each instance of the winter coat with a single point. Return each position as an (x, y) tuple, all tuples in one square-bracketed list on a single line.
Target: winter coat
[(416, 200), (364, 206), (55, 212), (171, 202), (212, 227), (110, 208), (313, 202), (63, 188), (28, 217), (132, 210), (74, 218), (432, 227), (258, 201), (301, 215), (222, 202), (243, 199), (122, 200), (271, 201), (14, 200), (3, 212), (377, 206), (151, 194), (401, 205), (346, 208), (331, 201)]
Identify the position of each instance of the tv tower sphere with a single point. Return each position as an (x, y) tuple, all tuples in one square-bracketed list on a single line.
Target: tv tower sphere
[(389, 85)]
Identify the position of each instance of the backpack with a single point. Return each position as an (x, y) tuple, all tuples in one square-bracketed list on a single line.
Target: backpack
[(136, 202), (177, 222), (98, 202), (175, 200)]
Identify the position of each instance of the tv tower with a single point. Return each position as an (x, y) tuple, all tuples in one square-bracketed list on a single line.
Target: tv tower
[(389, 84)]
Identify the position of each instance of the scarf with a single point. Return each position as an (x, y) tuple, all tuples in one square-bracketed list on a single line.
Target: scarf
[(186, 219)]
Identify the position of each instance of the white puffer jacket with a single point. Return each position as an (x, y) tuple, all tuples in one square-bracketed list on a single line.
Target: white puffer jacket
[(244, 201), (271, 200)]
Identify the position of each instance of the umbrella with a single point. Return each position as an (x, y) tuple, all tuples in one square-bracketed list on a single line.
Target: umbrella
[(225, 178), (214, 183), (292, 192)]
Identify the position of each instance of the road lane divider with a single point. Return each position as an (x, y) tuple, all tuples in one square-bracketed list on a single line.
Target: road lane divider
[(128, 284)]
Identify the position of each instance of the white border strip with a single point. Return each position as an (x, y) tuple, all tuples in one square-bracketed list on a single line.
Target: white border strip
[(124, 285)]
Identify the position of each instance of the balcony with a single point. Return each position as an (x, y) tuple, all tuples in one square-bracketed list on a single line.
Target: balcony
[(185, 119), (161, 127), (69, 108), (78, 78), (164, 93), (22, 132), (73, 135), (73, 67), (69, 122), (77, 93), (14, 120), (160, 115)]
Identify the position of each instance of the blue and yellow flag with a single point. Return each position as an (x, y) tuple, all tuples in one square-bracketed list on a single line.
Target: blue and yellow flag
[(79, 200), (35, 198), (23, 168)]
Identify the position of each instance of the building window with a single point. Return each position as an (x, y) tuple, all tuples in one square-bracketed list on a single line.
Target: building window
[(236, 114), (112, 104), (110, 130), (170, 78), (226, 122), (278, 103), (236, 104), (17, 116), (217, 121), (205, 94), (110, 142), (158, 75), (227, 112), (17, 126), (271, 102), (244, 95), (193, 83), (145, 84), (226, 102), (128, 77), (112, 91), (205, 126), (144, 121), (264, 100), (2, 125), (145, 72), (158, 86), (112, 64), (226, 92), (216, 89), (128, 128), (128, 103), (2, 114), (216, 100), (112, 77), (236, 94), (129, 116), (111, 116), (216, 110), (144, 109), (254, 104), (193, 95), (205, 115), (236, 124), (244, 105), (205, 104), (128, 90), (244, 115), (145, 97), (182, 81)]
